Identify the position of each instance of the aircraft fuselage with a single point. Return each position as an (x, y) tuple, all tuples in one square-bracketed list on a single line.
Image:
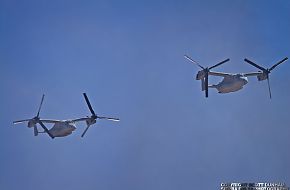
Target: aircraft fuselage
[(231, 84), (62, 129)]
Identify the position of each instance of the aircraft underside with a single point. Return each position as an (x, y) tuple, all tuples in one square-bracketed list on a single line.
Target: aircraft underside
[(61, 133), (227, 88), (62, 129)]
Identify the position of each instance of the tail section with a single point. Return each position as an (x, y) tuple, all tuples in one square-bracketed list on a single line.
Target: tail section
[(212, 86), (203, 85)]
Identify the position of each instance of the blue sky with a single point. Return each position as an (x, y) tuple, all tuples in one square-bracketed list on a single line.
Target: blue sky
[(128, 57)]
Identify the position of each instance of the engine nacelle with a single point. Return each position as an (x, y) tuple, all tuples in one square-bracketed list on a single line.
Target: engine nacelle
[(31, 123), (90, 121), (200, 75), (262, 76)]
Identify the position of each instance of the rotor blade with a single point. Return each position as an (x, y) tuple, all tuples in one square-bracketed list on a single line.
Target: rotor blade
[(219, 64), (109, 118), (21, 121), (269, 87), (273, 67), (255, 65), (45, 129), (40, 106), (191, 60), (206, 84), (35, 131), (89, 104), (85, 130), (202, 84)]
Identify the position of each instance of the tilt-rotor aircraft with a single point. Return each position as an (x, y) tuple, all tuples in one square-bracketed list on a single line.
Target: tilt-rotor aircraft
[(62, 128), (231, 82)]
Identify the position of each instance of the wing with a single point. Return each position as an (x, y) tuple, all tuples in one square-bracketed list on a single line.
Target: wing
[(50, 121), (86, 118), (252, 74), (79, 119), (219, 74), (68, 120)]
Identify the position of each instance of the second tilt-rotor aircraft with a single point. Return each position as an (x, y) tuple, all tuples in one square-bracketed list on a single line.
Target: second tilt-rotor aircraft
[(62, 128)]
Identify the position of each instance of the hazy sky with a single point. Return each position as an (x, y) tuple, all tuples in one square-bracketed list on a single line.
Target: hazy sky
[(128, 57)]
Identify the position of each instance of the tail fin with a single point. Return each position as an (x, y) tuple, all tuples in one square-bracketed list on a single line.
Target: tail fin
[(212, 86)]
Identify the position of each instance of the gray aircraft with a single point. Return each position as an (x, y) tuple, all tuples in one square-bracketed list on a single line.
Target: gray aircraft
[(231, 82), (62, 128)]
